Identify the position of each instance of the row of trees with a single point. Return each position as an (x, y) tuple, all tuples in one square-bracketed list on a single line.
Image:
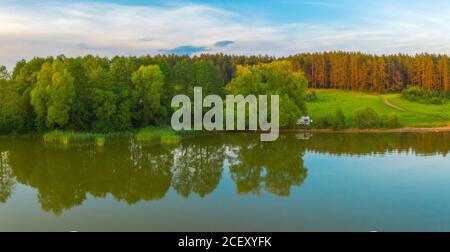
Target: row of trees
[(364, 72), (100, 94), (123, 93)]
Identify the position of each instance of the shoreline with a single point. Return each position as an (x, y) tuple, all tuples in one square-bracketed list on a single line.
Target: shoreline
[(376, 130), (297, 130)]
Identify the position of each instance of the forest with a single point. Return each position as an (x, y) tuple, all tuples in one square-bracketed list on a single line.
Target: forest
[(101, 94), (382, 74)]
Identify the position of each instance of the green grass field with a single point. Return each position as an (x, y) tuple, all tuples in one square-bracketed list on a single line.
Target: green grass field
[(414, 114)]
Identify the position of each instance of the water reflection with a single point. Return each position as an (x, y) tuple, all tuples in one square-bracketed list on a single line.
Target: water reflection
[(7, 180), (130, 172), (273, 166), (379, 143)]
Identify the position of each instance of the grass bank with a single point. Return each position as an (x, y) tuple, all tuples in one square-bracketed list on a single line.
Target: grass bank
[(409, 114), (147, 135), (68, 137), (158, 136)]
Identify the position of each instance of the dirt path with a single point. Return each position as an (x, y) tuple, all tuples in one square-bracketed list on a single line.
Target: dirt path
[(392, 105)]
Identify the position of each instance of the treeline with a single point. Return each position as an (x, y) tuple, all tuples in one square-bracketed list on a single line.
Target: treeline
[(99, 94), (105, 95), (382, 74), (118, 94)]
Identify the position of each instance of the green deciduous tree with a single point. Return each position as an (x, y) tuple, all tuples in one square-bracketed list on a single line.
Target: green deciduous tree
[(11, 113), (184, 75), (148, 88), (209, 77), (276, 78), (61, 97), (104, 105), (52, 97), (4, 74)]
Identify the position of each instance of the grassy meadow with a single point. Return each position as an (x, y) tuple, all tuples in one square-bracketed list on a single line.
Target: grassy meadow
[(410, 114)]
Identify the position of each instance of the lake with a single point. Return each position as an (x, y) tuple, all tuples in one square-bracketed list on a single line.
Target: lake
[(229, 182)]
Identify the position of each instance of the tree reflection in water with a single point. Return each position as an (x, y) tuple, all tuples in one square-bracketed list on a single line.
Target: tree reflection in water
[(132, 172), (273, 166), (7, 180), (198, 166)]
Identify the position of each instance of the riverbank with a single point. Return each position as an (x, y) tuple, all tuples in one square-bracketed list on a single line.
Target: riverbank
[(148, 136), (377, 130), (163, 135), (167, 135)]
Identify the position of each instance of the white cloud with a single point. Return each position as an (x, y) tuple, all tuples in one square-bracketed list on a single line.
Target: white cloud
[(52, 28), (110, 29)]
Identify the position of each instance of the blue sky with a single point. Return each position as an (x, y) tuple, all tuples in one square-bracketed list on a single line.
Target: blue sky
[(275, 27)]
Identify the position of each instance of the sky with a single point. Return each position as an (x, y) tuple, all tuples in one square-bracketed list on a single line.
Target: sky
[(30, 28)]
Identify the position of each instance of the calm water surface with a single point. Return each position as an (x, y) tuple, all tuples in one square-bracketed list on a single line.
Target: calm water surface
[(234, 182)]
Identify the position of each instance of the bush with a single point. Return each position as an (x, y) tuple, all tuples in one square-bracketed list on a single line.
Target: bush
[(436, 101), (389, 121), (421, 95), (324, 122), (366, 119), (310, 96), (334, 121), (339, 120)]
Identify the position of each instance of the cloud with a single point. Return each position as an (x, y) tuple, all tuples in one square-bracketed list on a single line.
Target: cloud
[(83, 46), (223, 43), (76, 28), (185, 50), (70, 28), (145, 39), (190, 49)]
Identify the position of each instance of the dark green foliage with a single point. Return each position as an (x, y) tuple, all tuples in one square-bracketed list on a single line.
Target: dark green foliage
[(4, 74), (208, 76), (436, 100), (389, 121), (98, 94), (421, 95), (105, 109), (148, 86), (366, 119), (363, 119), (334, 121), (184, 75), (11, 113), (339, 120), (325, 122)]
